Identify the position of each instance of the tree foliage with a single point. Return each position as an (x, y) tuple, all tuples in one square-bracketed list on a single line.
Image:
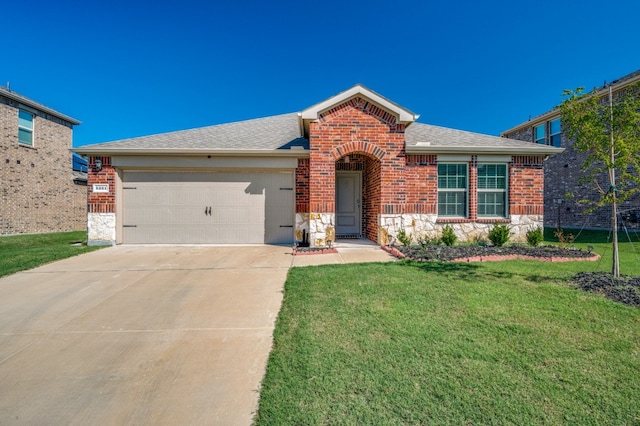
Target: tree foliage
[(588, 119), (607, 129)]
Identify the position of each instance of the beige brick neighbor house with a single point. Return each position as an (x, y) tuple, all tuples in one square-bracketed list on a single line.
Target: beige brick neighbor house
[(39, 190), (563, 190), (356, 165)]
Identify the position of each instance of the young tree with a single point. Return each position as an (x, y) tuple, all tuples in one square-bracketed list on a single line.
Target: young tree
[(607, 130)]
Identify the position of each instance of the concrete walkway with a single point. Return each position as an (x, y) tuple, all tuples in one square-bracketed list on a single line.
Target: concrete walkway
[(145, 335)]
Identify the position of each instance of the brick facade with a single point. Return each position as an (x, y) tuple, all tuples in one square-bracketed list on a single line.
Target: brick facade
[(37, 189), (101, 202), (398, 191)]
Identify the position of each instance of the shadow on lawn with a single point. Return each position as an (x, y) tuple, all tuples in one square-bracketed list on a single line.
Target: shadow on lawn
[(461, 271)]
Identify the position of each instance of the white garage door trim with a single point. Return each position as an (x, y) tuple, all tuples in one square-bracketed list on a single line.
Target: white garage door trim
[(207, 207)]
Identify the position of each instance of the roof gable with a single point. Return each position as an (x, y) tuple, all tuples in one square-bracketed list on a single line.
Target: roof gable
[(403, 115)]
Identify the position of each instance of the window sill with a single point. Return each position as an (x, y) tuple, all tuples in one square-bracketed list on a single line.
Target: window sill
[(21, 145), (467, 220), (493, 220)]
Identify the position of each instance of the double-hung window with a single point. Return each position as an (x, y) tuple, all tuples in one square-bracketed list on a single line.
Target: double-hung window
[(452, 190), (540, 133), (492, 190), (25, 128), (555, 132), (549, 133)]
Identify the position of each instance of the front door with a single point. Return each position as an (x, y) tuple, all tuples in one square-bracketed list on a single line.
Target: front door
[(348, 204)]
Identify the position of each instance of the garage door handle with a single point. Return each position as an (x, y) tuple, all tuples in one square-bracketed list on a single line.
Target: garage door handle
[(286, 226), (129, 226)]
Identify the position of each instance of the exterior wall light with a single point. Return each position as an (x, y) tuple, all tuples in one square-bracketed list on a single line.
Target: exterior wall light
[(98, 165)]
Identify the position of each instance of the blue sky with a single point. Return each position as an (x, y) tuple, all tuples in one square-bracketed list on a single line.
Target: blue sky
[(127, 68)]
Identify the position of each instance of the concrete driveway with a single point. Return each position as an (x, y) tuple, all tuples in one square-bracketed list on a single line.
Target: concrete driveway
[(140, 335)]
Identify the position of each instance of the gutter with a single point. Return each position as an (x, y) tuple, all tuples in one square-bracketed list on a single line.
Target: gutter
[(28, 103), (295, 153), (534, 150)]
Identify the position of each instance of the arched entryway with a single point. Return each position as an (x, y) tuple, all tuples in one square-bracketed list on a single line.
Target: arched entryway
[(357, 196)]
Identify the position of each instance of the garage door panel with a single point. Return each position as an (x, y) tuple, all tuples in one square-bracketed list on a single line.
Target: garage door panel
[(207, 207)]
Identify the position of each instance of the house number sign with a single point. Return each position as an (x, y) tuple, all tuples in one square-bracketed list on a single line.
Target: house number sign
[(100, 187)]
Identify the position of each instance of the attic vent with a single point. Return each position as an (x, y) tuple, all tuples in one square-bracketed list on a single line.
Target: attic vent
[(296, 147)]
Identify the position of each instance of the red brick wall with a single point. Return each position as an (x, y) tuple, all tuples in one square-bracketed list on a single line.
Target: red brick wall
[(526, 185), (371, 190), (356, 126), (101, 202), (302, 186), (421, 182)]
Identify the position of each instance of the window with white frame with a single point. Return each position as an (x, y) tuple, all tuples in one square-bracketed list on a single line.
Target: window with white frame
[(452, 189), (492, 190), (25, 128)]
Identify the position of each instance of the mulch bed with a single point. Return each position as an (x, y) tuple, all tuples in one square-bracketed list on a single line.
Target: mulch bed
[(302, 251), (478, 253), (624, 290)]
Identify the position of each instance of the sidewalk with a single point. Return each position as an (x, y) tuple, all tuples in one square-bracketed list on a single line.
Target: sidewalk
[(348, 252)]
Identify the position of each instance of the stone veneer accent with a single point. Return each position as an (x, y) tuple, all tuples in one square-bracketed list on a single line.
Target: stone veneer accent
[(426, 224), (320, 226), (102, 229)]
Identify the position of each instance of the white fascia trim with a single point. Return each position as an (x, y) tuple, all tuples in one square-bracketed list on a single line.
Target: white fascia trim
[(403, 115), (535, 150), (298, 153)]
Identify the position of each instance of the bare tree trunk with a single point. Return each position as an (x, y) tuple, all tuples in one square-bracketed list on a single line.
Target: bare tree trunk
[(615, 267)]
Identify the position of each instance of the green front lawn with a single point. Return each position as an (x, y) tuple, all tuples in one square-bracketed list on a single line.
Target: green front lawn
[(442, 343), (22, 252)]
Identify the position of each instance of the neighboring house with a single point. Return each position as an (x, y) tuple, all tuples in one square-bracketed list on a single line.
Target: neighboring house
[(38, 190), (563, 191), (356, 165)]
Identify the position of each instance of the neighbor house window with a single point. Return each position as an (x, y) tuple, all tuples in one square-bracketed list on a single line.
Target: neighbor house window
[(540, 134), (555, 132), (452, 190), (25, 128), (492, 190)]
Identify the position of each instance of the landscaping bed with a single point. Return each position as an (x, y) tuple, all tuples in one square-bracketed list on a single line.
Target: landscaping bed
[(475, 253), (624, 290)]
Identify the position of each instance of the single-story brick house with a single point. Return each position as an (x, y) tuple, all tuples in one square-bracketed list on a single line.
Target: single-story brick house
[(356, 165)]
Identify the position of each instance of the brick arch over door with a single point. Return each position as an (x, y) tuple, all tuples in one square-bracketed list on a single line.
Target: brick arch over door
[(358, 147), (370, 166)]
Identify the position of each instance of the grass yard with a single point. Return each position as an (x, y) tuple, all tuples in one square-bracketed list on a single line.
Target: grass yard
[(22, 252), (443, 343)]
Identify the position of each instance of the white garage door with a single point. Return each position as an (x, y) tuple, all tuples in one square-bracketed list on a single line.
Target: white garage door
[(207, 207)]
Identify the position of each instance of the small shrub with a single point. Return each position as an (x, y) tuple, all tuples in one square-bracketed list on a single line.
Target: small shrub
[(499, 234), (404, 238), (535, 237), (563, 238), (478, 240), (425, 241), (448, 236)]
